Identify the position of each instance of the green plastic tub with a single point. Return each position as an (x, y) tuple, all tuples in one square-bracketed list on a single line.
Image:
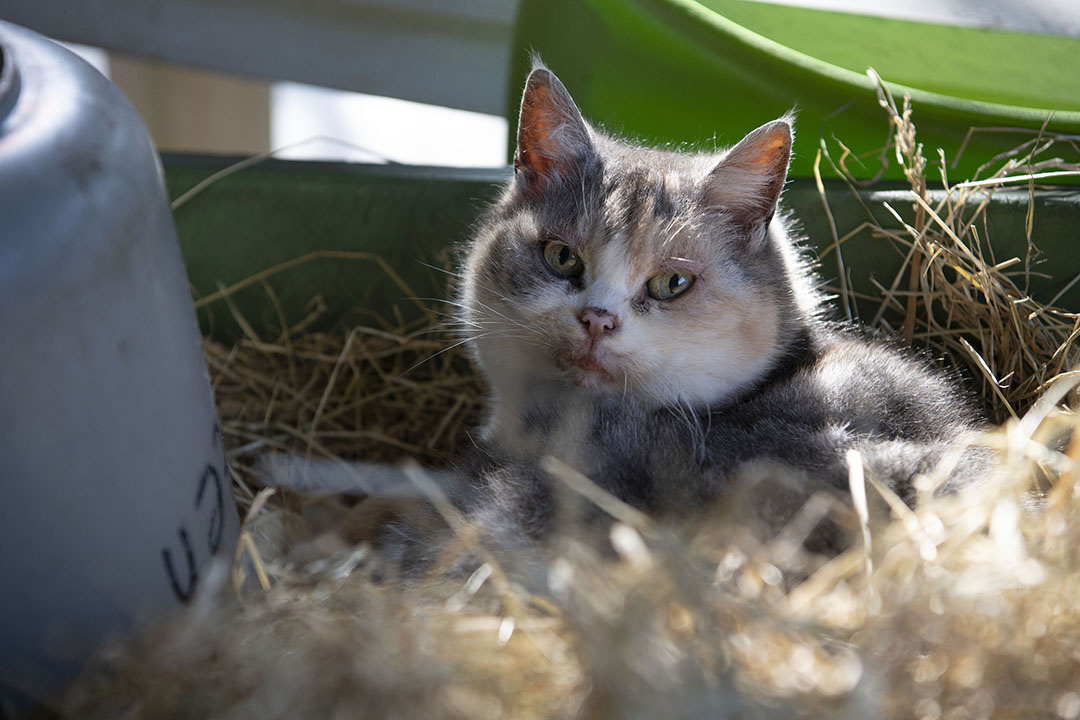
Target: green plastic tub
[(680, 71)]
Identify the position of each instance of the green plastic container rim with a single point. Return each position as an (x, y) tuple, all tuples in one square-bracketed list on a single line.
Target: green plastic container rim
[(715, 22)]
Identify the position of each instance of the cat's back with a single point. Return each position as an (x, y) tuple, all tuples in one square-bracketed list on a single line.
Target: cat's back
[(847, 390), (884, 390)]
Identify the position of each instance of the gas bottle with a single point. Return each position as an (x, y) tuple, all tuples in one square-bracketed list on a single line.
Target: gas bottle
[(115, 490)]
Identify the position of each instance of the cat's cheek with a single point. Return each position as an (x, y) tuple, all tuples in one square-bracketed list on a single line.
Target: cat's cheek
[(703, 350)]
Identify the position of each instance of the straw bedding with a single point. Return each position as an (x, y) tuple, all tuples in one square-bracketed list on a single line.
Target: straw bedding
[(966, 607)]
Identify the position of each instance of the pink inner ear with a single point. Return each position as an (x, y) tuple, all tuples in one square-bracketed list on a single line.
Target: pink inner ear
[(536, 130), (749, 179), (552, 137), (770, 153)]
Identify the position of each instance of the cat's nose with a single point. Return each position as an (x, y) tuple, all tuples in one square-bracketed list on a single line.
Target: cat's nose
[(598, 322)]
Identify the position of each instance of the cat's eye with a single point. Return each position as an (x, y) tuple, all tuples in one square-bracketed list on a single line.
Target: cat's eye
[(668, 284), (563, 260)]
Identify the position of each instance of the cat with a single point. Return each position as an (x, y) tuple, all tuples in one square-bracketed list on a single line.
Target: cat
[(646, 317)]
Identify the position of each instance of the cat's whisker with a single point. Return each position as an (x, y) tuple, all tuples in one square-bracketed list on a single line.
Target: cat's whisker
[(500, 296), (509, 324), (452, 319), (682, 412), (700, 433), (448, 349), (478, 303), (490, 309), (480, 319), (445, 271), (483, 305)]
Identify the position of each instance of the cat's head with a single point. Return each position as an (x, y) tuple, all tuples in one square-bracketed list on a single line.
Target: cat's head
[(626, 270)]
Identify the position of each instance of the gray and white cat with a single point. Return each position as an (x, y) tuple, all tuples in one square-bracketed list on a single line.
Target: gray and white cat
[(645, 317)]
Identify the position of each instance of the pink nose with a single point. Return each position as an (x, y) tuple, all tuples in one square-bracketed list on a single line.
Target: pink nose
[(598, 322)]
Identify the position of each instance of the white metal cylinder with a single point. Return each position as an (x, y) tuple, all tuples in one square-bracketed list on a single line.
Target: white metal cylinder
[(115, 488)]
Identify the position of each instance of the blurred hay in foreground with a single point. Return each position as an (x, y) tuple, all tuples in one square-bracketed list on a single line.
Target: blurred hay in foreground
[(971, 610), (966, 607)]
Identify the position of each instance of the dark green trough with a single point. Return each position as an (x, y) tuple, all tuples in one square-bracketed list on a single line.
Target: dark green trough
[(412, 217)]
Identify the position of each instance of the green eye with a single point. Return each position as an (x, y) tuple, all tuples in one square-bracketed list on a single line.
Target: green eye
[(563, 260), (668, 284)]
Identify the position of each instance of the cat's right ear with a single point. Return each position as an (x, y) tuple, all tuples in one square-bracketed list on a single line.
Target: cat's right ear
[(553, 140), (746, 183)]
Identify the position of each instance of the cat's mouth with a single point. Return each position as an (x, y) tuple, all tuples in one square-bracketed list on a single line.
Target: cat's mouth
[(588, 369)]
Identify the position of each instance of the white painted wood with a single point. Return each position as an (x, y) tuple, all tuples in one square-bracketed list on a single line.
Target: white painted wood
[(453, 53)]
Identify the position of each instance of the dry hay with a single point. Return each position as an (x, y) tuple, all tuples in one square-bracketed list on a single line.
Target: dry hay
[(951, 294), (966, 607), (379, 393)]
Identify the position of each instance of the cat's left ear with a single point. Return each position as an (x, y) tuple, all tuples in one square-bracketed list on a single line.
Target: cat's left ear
[(747, 182), (553, 140)]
